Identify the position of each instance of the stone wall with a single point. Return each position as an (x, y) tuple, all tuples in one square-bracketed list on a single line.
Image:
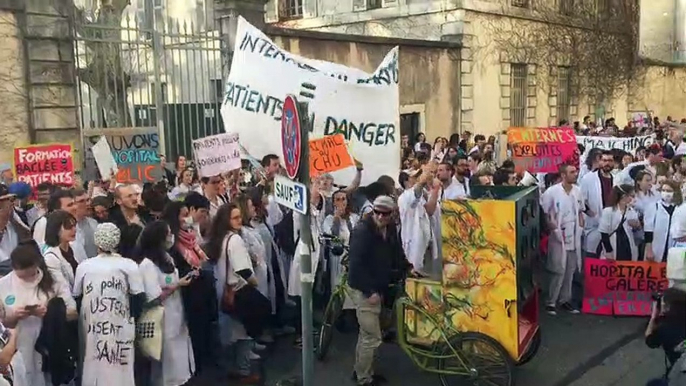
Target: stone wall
[(37, 71)]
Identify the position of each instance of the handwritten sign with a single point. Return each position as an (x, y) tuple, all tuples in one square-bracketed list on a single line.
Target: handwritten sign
[(107, 165), (135, 150), (542, 150), (52, 163), (621, 287), (217, 154), (329, 154), (608, 143)]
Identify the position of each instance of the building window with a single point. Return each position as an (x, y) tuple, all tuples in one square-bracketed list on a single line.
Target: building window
[(520, 3), (409, 125), (566, 7), (518, 92), (564, 92), (290, 9), (217, 90), (373, 4)]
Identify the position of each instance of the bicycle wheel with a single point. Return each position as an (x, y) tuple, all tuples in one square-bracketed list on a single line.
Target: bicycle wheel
[(333, 310), (531, 351), (487, 363)]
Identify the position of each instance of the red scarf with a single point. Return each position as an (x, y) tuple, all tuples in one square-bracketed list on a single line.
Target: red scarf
[(190, 249)]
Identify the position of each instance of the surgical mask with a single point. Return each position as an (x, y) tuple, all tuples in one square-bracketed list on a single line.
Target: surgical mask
[(667, 196), (187, 223), (169, 243)]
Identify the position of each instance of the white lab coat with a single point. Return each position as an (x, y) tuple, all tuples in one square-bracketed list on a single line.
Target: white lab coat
[(641, 206), (336, 267), (270, 247), (592, 194), (415, 229), (178, 364), (16, 293), (316, 219), (59, 266), (563, 209), (609, 222), (258, 254), (658, 221)]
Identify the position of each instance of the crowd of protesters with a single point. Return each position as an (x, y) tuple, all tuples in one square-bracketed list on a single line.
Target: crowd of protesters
[(220, 255)]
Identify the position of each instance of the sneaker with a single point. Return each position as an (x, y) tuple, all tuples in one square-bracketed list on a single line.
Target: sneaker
[(376, 378), (569, 308), (550, 310), (266, 339), (252, 379), (254, 357), (258, 347)]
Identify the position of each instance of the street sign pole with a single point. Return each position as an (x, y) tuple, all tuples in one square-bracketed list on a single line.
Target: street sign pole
[(295, 130), (306, 275)]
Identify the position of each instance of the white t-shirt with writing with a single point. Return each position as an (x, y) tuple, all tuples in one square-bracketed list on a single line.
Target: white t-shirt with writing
[(105, 282)]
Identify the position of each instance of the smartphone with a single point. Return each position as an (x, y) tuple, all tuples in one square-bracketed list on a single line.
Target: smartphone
[(31, 307)]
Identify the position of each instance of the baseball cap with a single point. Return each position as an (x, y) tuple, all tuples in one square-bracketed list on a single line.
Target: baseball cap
[(20, 189), (384, 203)]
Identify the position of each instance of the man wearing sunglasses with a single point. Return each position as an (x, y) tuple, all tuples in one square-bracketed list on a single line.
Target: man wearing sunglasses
[(375, 252)]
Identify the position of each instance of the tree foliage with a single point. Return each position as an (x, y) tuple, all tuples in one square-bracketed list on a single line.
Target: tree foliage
[(102, 67), (596, 39)]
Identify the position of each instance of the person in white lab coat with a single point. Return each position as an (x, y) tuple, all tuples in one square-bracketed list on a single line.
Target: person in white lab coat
[(61, 250), (596, 190), (24, 295), (617, 223), (645, 197), (563, 205), (658, 222), (653, 157), (117, 278), (162, 284)]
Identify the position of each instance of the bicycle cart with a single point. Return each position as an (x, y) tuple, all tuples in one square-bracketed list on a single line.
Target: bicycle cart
[(480, 319)]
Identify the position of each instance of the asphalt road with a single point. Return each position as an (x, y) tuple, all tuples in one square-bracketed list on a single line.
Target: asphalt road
[(576, 350)]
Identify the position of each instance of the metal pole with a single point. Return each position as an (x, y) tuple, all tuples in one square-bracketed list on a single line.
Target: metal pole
[(157, 55), (306, 275)]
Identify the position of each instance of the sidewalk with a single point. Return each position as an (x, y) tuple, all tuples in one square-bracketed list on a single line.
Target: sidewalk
[(632, 365)]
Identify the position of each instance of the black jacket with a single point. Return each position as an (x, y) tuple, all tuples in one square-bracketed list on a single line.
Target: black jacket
[(57, 343), (373, 260)]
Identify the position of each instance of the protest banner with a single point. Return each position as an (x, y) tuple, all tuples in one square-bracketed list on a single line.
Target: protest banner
[(621, 287), (329, 154), (608, 143), (216, 154), (102, 153), (363, 107), (135, 150), (640, 120), (542, 150), (53, 163)]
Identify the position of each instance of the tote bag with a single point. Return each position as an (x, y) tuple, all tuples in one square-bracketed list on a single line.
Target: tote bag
[(149, 332)]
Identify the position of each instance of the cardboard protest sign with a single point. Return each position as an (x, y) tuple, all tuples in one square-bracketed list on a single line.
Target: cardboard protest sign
[(217, 154), (329, 154), (135, 150), (53, 163), (363, 107), (621, 287), (102, 153), (542, 150)]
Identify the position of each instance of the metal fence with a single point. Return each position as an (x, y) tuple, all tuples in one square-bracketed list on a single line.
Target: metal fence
[(168, 75)]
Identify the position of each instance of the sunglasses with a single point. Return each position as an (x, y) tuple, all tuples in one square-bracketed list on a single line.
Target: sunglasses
[(382, 213)]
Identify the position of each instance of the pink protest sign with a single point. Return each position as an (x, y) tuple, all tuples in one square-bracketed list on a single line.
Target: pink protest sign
[(621, 287), (542, 150)]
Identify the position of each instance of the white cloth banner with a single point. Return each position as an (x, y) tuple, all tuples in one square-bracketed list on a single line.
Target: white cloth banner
[(217, 154), (363, 107), (608, 143)]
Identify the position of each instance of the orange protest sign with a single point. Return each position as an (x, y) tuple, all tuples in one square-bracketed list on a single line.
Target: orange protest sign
[(329, 154)]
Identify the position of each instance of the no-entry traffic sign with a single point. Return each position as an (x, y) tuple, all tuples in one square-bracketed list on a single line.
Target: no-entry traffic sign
[(290, 136)]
